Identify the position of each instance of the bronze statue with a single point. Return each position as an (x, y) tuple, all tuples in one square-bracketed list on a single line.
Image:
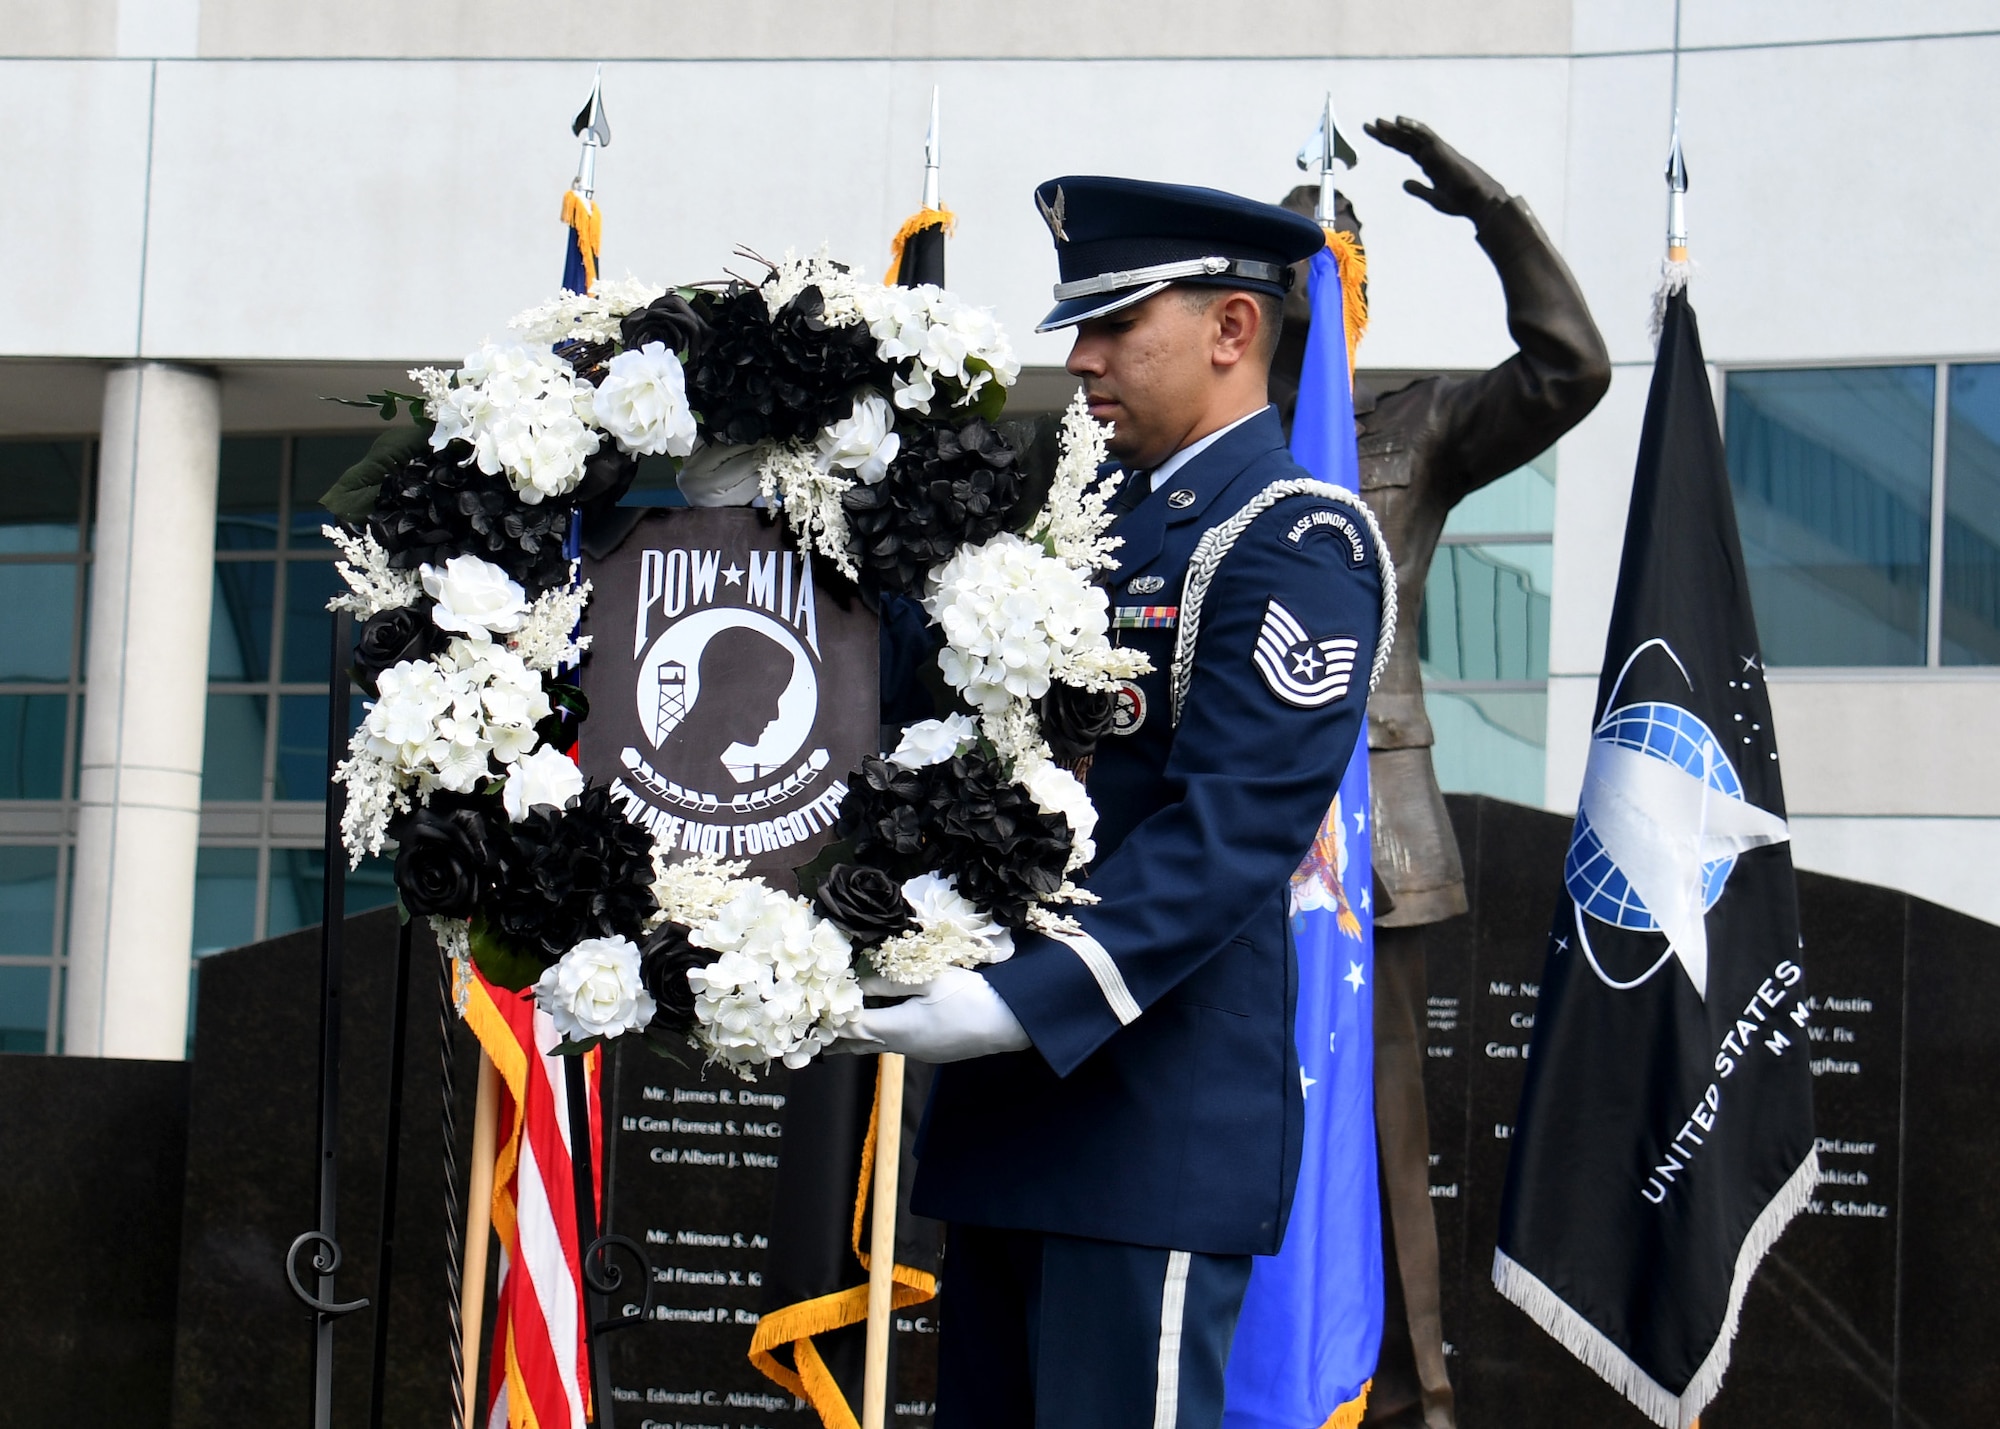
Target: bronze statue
[(1424, 448)]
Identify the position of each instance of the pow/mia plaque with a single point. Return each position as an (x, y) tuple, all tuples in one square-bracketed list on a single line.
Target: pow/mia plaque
[(729, 694)]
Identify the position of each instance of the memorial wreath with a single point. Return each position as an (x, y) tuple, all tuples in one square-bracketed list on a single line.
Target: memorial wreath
[(862, 417)]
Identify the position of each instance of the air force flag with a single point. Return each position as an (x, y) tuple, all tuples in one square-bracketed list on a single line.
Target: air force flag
[(1312, 1318), (1665, 1134)]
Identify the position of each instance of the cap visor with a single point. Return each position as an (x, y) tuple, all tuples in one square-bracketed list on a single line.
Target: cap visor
[(1077, 310)]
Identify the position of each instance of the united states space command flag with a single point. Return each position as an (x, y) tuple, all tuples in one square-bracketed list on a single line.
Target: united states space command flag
[(1665, 1135), (1312, 1319)]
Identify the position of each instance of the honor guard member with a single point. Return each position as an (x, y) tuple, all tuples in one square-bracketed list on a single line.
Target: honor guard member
[(1117, 1130)]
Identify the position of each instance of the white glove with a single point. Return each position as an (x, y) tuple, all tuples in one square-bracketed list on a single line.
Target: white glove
[(955, 1015)]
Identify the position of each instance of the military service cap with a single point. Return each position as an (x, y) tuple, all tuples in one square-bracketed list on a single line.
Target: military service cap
[(1119, 241)]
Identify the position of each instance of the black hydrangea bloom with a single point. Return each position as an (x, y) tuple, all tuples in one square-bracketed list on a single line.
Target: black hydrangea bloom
[(948, 486), (964, 818), (866, 902), (440, 505), (448, 852), (665, 959), (783, 375), (569, 874), (670, 320), (1074, 720)]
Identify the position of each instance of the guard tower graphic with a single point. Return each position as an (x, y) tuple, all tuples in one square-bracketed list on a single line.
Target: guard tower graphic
[(673, 698)]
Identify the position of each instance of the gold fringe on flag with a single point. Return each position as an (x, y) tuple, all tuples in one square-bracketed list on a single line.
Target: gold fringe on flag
[(1348, 1416), (913, 225), (1352, 260), (795, 1325), (583, 215)]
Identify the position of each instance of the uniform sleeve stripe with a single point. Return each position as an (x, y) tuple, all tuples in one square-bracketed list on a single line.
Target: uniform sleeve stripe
[(1109, 981)]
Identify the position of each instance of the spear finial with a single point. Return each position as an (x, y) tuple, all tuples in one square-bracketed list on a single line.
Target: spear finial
[(595, 131), (931, 152), (1677, 187), (1326, 145)]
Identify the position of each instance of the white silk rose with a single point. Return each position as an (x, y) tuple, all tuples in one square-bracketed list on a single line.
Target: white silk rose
[(1057, 791), (863, 442), (595, 990), (951, 931), (547, 776), (642, 402), (474, 597), (933, 741)]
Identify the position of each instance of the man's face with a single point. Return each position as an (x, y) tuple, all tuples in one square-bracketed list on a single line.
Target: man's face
[(1147, 369)]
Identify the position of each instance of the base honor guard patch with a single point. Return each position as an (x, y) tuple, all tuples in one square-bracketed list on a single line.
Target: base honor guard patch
[(1299, 668)]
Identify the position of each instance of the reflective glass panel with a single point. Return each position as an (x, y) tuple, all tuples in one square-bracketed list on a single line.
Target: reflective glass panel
[(246, 497), (31, 746), (239, 621), (301, 769), (298, 888), (41, 489), (1522, 502), (1972, 517), (1486, 612), (309, 585), (317, 463), (232, 748), (1490, 742), (27, 901), (24, 1009), (37, 620), (225, 899), (1832, 473)]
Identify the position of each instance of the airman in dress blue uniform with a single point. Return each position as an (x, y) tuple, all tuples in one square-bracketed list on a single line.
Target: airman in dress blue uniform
[(1117, 1130)]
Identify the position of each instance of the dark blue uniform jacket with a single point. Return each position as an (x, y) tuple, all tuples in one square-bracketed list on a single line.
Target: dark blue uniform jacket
[(1161, 1104)]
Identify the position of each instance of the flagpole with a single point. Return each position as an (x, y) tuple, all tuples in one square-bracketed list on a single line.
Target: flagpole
[(478, 1231), (882, 1238)]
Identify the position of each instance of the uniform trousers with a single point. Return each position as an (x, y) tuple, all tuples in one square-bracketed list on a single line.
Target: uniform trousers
[(1045, 1331)]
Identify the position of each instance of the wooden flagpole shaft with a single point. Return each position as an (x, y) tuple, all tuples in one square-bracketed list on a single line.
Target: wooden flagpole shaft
[(882, 1239), (478, 1231)]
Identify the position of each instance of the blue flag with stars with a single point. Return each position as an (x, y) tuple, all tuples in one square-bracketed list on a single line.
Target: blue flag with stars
[(1312, 1319)]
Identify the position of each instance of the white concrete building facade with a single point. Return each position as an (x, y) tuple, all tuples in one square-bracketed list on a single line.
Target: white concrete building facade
[(223, 210)]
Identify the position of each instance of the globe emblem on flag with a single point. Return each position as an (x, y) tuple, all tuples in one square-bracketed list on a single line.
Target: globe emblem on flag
[(1676, 736)]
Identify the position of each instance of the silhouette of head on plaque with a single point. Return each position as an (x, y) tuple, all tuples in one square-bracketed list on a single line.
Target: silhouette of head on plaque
[(743, 675)]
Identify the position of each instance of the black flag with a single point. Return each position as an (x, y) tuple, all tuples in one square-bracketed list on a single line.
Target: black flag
[(1665, 1135)]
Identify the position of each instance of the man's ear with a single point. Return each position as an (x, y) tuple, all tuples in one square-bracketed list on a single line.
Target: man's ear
[(1239, 323)]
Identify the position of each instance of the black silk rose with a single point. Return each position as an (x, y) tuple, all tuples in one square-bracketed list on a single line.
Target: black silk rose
[(949, 486), (607, 475), (568, 874), (447, 853), (670, 320), (866, 902), (665, 958), (440, 505), (390, 636), (1074, 720)]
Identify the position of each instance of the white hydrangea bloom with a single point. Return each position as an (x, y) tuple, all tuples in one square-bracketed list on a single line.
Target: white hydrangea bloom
[(642, 402), (947, 337), (863, 442), (1013, 617), (933, 741), (524, 414), (782, 986), (595, 990)]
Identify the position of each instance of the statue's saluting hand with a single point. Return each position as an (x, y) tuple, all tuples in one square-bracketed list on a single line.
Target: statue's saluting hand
[(1457, 185)]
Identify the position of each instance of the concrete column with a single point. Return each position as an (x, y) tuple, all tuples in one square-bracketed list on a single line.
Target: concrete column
[(139, 795)]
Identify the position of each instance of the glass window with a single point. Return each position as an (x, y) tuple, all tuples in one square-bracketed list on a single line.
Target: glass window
[(1486, 612), (41, 491), (309, 585), (246, 498), (1832, 474), (301, 769), (24, 1009), (232, 748), (1971, 606), (1490, 741), (239, 624), (225, 899), (27, 901), (31, 746), (37, 620), (1521, 503), (317, 463), (298, 888)]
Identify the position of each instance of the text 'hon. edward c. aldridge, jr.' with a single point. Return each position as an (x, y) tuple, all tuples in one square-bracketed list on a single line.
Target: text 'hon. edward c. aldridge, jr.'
[(1117, 1131)]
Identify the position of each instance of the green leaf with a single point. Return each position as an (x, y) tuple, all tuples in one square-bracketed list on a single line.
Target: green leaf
[(352, 498), (992, 398), (577, 1047), (504, 964), (668, 1045), (811, 875)]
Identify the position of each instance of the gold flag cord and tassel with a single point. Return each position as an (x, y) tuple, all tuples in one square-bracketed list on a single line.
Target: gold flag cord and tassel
[(916, 223), (583, 215), (795, 1325), (1351, 259)]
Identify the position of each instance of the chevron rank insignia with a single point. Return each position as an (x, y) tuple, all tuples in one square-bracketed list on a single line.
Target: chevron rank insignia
[(1301, 669)]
